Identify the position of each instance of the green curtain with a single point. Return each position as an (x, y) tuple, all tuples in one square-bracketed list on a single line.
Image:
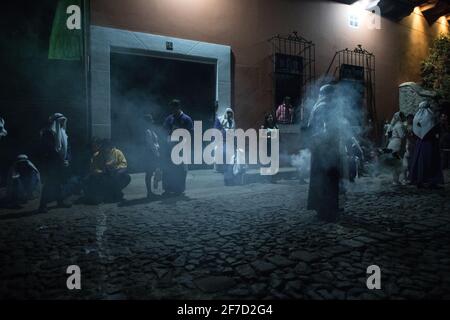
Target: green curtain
[(65, 44)]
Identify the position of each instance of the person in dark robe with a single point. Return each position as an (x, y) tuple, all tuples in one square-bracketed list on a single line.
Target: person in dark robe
[(355, 157), (445, 141), (23, 181), (323, 194), (152, 154), (174, 176), (55, 152), (426, 169), (270, 124), (3, 133)]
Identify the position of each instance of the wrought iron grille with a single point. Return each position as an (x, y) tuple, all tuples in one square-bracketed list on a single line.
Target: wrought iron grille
[(293, 59), (359, 65)]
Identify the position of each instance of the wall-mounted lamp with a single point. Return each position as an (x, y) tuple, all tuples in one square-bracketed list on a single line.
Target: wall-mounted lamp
[(359, 11), (366, 4)]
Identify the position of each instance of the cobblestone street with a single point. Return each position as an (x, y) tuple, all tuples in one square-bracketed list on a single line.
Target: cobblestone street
[(251, 242)]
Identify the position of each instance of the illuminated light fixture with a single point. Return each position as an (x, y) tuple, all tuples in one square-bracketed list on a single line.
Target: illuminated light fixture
[(366, 4), (358, 9)]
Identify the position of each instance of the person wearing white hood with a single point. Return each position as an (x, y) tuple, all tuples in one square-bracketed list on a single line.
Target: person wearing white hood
[(227, 120), (224, 124), (56, 155), (230, 168), (3, 132), (23, 181), (426, 166), (396, 134)]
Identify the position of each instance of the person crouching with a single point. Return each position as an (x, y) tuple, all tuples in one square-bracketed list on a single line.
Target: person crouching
[(115, 176), (23, 181)]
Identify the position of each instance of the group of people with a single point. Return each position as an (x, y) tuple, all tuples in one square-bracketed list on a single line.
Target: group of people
[(417, 144), (108, 168), (414, 149)]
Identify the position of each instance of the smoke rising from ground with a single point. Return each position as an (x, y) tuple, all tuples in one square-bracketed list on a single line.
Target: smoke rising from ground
[(348, 112)]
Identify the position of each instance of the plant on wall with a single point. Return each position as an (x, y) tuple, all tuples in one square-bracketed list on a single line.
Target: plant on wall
[(436, 68)]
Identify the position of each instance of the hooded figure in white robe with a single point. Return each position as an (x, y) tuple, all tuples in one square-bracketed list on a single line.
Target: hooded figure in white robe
[(426, 165), (397, 133), (55, 153), (58, 127), (392, 158), (3, 132), (224, 123)]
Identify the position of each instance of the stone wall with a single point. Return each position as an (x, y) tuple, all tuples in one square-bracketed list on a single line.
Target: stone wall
[(411, 95)]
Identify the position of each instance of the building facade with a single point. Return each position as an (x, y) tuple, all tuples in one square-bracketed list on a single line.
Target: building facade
[(236, 33)]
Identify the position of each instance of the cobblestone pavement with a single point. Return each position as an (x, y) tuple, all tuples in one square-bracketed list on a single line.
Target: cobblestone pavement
[(251, 242)]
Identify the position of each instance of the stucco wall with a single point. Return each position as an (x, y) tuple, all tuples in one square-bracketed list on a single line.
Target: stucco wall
[(246, 25)]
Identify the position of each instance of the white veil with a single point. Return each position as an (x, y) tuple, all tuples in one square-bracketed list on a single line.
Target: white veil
[(58, 126), (3, 132), (424, 120)]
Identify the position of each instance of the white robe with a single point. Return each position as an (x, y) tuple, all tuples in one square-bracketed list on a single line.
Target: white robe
[(398, 134)]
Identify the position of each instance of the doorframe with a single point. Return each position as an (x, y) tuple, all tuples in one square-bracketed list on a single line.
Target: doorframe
[(104, 40)]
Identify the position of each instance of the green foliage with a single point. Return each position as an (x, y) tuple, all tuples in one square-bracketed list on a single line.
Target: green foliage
[(435, 68)]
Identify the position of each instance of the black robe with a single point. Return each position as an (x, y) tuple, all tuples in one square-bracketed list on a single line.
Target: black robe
[(426, 164), (323, 194), (174, 176)]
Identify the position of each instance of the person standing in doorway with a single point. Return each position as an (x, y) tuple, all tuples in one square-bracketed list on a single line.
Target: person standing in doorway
[(174, 176)]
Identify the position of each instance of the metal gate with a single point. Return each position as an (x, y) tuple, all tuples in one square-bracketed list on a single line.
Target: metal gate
[(293, 66), (357, 64)]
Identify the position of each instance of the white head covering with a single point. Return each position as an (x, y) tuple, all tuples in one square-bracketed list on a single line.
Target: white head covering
[(3, 132), (24, 158), (424, 120), (58, 126), (226, 122), (395, 120), (14, 173)]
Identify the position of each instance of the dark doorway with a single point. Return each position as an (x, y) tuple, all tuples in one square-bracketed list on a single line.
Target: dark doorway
[(144, 84)]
